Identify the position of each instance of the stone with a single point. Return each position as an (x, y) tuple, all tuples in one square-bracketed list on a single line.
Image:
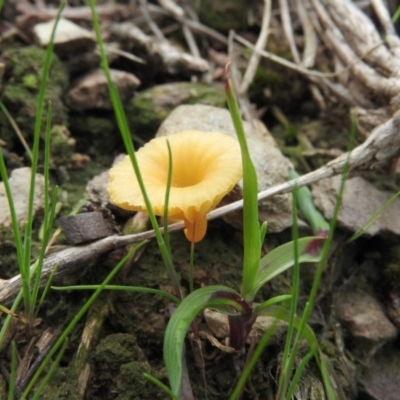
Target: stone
[(91, 90), (149, 108), (361, 200), (20, 93), (85, 227), (219, 326), (381, 380), (96, 188), (364, 318), (69, 37), (271, 166), (20, 184)]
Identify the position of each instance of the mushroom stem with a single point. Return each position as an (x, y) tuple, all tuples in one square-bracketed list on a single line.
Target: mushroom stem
[(196, 229)]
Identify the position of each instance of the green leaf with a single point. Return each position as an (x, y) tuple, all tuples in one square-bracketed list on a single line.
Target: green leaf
[(283, 314), (251, 228), (130, 149), (273, 300), (306, 204), (179, 325), (140, 289), (333, 390), (263, 232), (282, 258)]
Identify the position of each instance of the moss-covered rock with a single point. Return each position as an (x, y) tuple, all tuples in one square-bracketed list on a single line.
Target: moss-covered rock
[(224, 15), (24, 68), (120, 363), (62, 145), (96, 135), (149, 108)]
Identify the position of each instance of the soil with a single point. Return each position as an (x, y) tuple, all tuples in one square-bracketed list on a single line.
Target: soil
[(121, 336)]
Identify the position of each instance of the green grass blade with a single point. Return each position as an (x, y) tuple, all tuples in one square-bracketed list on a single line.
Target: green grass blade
[(35, 158), (76, 319), (46, 289), (7, 321), (14, 221), (51, 371), (126, 137), (283, 314), (263, 232), (13, 373), (178, 326), (258, 351), (272, 301), (396, 15), (280, 314), (49, 210), (325, 251), (166, 202), (16, 129), (298, 372), (161, 385), (327, 378), (373, 219), (286, 370), (140, 289), (251, 228)]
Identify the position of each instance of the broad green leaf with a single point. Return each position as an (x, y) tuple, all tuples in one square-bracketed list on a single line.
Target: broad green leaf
[(179, 325), (282, 258)]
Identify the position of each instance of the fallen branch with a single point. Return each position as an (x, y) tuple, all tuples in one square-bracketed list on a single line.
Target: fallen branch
[(382, 145)]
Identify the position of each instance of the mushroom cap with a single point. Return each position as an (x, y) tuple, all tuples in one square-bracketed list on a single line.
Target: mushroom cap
[(205, 167)]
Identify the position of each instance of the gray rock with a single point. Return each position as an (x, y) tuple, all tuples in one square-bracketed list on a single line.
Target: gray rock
[(20, 183), (84, 227), (364, 318), (69, 37), (96, 188), (381, 380), (149, 108), (91, 91), (272, 167), (219, 326), (361, 200)]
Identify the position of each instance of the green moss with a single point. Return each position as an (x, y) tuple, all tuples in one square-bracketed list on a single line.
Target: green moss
[(30, 81), (75, 186), (149, 108), (224, 15), (133, 385), (27, 63), (392, 266), (96, 135), (24, 68), (62, 147)]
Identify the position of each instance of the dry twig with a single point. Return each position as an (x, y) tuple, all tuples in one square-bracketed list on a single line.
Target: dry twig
[(260, 45)]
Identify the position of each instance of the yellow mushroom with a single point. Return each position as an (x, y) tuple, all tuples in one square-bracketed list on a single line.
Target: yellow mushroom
[(206, 166)]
